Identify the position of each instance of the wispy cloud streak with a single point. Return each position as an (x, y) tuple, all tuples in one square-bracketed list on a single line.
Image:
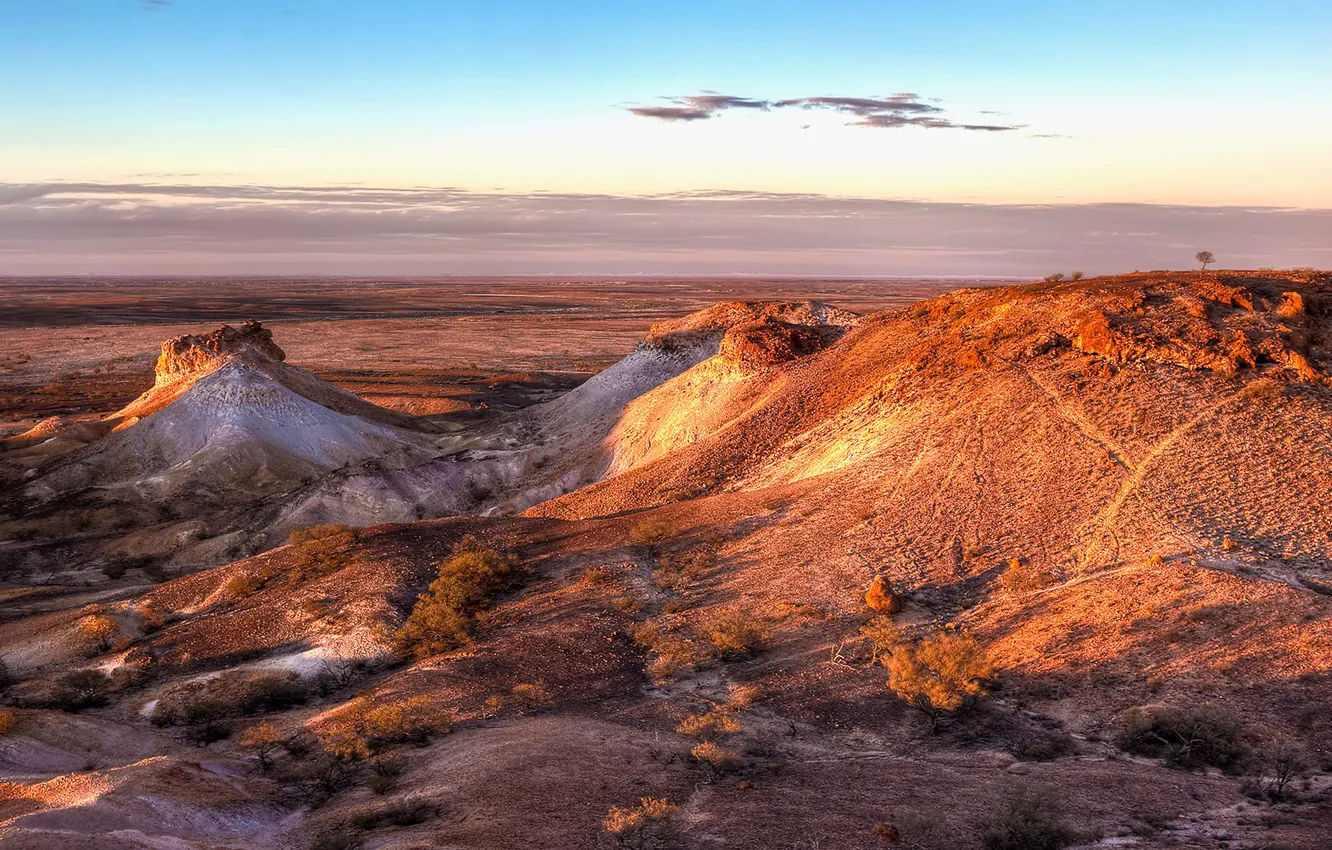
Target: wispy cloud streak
[(178, 229), (905, 109)]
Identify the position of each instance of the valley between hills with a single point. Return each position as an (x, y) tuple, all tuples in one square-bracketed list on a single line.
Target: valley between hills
[(668, 564)]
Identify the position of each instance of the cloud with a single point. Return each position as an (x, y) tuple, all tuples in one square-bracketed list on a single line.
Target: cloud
[(698, 107), (143, 228), (154, 5), (905, 109)]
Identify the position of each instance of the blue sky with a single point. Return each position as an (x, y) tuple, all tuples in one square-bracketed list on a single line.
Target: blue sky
[(1209, 104)]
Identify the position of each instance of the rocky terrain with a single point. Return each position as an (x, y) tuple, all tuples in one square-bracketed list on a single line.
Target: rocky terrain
[(1112, 492)]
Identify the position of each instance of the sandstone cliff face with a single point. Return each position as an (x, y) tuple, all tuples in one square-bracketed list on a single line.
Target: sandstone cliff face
[(1224, 325), (192, 355)]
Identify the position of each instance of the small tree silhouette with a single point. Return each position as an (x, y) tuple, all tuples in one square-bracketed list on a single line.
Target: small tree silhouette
[(1204, 257)]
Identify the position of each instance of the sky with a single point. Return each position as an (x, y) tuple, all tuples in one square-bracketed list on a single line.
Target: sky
[(522, 136)]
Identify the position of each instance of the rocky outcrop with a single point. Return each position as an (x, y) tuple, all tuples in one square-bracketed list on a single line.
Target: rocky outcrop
[(192, 355)]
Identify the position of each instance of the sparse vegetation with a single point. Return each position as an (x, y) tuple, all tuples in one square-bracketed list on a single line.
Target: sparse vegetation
[(1022, 576), (596, 576), (242, 585), (7, 721), (715, 760), (322, 548), (883, 634), (737, 635), (651, 825), (81, 689), (1190, 737), (205, 706), (709, 726), (939, 675), (265, 739), (650, 531), (1029, 818), (99, 631), (531, 695), (1205, 258), (467, 581)]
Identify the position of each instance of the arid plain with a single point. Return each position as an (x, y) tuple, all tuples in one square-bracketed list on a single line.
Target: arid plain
[(667, 563)]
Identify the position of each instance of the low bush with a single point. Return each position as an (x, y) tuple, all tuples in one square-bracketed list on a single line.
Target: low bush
[(654, 824), (7, 721), (676, 654), (1188, 738), (400, 813), (414, 721), (596, 576), (715, 760), (650, 531), (233, 694), (1028, 819), (940, 674), (242, 585), (737, 635), (531, 695), (680, 570), (99, 631), (709, 726), (1022, 576), (265, 739), (81, 689), (321, 549), (468, 579), (883, 634)]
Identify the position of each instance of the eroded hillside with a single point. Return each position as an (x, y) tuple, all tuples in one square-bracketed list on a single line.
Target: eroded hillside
[(1115, 489)]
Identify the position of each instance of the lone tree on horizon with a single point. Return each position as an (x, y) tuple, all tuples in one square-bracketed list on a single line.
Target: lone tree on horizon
[(1204, 257)]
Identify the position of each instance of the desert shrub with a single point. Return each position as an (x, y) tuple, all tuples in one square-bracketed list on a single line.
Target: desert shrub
[(1279, 762), (741, 697), (414, 721), (627, 604), (883, 634), (153, 616), (336, 839), (880, 597), (321, 548), (1185, 737), (400, 813), (715, 760), (7, 678), (654, 824), (709, 726), (596, 576), (678, 571), (1022, 576), (939, 675), (7, 721), (649, 531), (118, 564), (919, 830), (531, 695), (81, 689), (676, 654), (467, 581), (1028, 819), (242, 585), (264, 738), (317, 533), (737, 635), (232, 694), (99, 631)]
